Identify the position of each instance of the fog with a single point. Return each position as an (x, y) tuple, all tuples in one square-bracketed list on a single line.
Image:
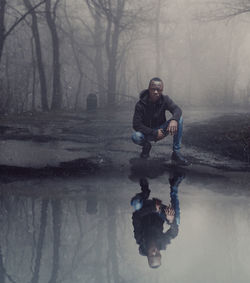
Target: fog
[(74, 187), (200, 49)]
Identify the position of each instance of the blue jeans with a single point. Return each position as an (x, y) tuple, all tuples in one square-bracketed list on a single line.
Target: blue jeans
[(140, 139)]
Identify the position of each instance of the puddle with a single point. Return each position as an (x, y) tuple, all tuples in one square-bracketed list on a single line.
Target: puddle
[(39, 154), (81, 229)]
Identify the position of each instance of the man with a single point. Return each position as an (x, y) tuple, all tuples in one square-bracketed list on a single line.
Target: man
[(150, 122), (148, 219)]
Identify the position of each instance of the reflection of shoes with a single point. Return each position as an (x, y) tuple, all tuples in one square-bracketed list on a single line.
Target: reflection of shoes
[(144, 183), (144, 188), (145, 150), (179, 159)]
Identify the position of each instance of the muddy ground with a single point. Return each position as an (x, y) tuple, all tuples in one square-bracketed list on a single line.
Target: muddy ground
[(228, 135), (44, 144)]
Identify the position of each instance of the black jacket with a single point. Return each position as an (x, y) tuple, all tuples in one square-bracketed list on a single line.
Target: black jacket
[(148, 115), (148, 226)]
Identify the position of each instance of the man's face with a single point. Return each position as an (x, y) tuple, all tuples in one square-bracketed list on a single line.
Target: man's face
[(155, 90)]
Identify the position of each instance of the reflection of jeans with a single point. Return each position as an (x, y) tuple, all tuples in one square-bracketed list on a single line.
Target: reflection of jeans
[(137, 202), (173, 199), (140, 139), (175, 203), (138, 199)]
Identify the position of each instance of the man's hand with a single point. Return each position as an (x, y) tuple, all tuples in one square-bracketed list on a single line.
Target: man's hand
[(160, 135), (170, 213), (172, 127)]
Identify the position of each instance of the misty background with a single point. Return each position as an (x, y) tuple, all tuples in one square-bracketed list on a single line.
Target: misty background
[(54, 53), (66, 179)]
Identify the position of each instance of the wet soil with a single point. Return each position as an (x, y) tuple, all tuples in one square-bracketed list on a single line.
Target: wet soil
[(228, 135), (72, 144)]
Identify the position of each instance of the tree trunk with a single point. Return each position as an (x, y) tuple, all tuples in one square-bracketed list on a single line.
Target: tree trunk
[(77, 60), (112, 82), (112, 61), (40, 65), (9, 91), (33, 104), (99, 60), (112, 39), (2, 26), (158, 61), (57, 94)]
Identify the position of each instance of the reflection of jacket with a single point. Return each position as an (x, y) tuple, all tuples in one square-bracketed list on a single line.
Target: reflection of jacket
[(148, 116), (148, 227)]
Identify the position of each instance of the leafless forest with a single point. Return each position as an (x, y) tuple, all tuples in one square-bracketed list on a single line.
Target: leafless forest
[(53, 53), (67, 175)]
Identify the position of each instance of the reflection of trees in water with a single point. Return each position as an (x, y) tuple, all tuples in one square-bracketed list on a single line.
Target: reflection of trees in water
[(2, 277), (112, 260), (57, 221), (40, 242), (45, 240), (23, 238)]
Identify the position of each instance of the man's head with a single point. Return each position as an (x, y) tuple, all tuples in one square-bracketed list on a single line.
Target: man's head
[(154, 256), (155, 89)]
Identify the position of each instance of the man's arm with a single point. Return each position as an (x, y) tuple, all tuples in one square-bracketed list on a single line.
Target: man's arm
[(138, 122), (173, 108), (170, 234)]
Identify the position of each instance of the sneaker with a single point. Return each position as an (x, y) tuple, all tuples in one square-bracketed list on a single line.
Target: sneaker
[(145, 150), (179, 159), (144, 188), (144, 184)]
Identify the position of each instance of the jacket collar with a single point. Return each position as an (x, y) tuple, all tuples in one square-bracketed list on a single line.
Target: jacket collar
[(144, 98)]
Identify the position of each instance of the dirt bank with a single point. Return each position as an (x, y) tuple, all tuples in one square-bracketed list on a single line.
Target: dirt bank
[(228, 135)]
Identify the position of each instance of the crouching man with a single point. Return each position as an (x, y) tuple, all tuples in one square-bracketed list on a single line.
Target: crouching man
[(150, 122)]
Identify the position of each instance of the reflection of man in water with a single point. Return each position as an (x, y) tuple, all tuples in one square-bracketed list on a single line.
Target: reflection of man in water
[(149, 217)]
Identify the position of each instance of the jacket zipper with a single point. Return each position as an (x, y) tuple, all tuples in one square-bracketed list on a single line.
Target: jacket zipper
[(151, 119)]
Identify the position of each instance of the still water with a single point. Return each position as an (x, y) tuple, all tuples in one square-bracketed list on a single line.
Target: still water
[(81, 229)]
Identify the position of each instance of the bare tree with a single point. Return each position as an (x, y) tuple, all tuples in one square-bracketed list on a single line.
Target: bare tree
[(226, 11), (99, 44), (40, 65), (2, 25), (5, 33), (50, 12), (75, 46), (158, 60), (118, 20)]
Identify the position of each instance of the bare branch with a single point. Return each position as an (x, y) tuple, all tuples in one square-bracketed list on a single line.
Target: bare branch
[(224, 11), (22, 18), (54, 8), (18, 12), (86, 26)]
